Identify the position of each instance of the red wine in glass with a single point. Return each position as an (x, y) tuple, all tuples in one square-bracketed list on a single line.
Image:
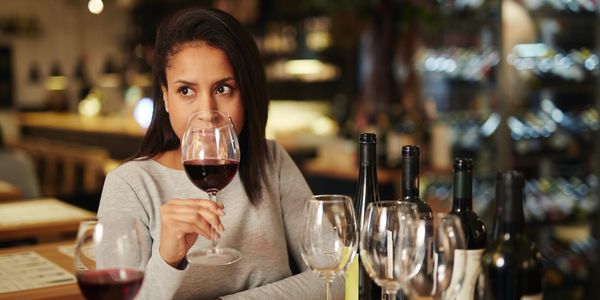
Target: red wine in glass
[(211, 175), (110, 284)]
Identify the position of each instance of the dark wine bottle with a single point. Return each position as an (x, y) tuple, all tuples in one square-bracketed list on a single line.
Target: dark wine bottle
[(512, 265), (473, 227), (422, 283), (358, 283)]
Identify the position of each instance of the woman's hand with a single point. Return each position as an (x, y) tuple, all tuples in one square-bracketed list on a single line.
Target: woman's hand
[(182, 220)]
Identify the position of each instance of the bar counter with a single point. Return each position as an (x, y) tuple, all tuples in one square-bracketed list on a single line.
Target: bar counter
[(121, 135)]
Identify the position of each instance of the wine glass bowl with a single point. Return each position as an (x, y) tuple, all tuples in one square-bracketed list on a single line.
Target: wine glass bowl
[(449, 256), (450, 245), (108, 260), (392, 244), (329, 236), (211, 155)]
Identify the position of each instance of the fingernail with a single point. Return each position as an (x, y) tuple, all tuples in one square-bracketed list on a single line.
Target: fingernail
[(221, 212), (221, 228)]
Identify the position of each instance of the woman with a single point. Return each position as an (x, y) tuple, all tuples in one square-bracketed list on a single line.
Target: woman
[(205, 60)]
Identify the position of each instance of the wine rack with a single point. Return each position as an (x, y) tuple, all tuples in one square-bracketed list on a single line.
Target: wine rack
[(548, 124)]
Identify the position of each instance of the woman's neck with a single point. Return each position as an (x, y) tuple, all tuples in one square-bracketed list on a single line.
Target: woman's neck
[(170, 159)]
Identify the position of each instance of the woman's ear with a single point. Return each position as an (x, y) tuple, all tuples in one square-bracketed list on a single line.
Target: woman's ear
[(165, 98)]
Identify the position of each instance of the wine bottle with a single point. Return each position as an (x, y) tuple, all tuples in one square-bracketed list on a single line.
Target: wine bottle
[(358, 283), (474, 230), (422, 283), (512, 265)]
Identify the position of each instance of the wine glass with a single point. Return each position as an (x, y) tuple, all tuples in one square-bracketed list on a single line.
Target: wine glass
[(108, 260), (392, 244), (449, 256), (211, 156), (329, 237)]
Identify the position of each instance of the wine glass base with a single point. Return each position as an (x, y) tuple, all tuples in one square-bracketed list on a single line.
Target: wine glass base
[(214, 257)]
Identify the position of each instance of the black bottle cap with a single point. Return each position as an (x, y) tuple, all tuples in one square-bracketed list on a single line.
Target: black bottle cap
[(410, 150), (368, 145), (463, 164), (368, 137)]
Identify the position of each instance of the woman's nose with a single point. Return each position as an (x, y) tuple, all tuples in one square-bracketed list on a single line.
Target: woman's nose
[(206, 102)]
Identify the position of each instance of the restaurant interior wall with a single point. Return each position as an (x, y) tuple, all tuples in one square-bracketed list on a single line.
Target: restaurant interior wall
[(49, 32)]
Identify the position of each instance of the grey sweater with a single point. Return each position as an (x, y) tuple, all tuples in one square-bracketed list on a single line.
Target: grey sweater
[(268, 236)]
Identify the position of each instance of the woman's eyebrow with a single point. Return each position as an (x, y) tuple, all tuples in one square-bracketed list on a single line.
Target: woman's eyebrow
[(225, 80), (184, 82)]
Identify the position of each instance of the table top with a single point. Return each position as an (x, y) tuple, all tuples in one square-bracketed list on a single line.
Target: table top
[(39, 217), (52, 252), (9, 191)]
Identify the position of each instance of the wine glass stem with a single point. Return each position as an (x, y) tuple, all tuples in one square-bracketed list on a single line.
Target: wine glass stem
[(390, 295), (328, 289), (213, 232)]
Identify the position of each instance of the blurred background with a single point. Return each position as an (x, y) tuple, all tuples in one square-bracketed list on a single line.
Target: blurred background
[(511, 84)]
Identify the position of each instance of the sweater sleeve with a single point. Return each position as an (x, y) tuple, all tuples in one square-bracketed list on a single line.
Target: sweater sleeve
[(294, 193), (119, 204)]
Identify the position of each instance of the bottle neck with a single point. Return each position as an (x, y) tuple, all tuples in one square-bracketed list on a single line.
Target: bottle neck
[(367, 187), (463, 191), (410, 177), (510, 219)]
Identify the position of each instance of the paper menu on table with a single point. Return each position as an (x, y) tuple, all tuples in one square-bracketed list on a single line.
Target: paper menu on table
[(40, 211), (29, 270), (69, 250)]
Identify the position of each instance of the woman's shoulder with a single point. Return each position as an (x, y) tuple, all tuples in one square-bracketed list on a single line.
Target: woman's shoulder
[(275, 149), (139, 166), (131, 166), (279, 158)]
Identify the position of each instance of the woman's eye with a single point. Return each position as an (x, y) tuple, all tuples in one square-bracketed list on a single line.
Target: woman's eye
[(223, 89), (186, 91)]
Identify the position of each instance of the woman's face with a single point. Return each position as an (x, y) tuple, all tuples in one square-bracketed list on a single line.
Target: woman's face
[(200, 77)]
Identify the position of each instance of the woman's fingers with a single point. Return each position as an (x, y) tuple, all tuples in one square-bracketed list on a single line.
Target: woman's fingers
[(182, 221), (200, 203), (204, 214), (200, 221)]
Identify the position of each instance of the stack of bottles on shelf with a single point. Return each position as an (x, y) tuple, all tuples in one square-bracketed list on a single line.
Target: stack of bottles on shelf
[(510, 267), (549, 199)]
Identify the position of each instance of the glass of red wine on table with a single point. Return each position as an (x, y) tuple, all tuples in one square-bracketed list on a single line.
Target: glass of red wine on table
[(108, 260), (210, 153)]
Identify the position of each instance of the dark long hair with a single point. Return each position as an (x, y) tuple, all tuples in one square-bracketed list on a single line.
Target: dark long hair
[(220, 30)]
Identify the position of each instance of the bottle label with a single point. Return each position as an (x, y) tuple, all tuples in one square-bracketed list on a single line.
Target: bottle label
[(352, 280), (532, 297), (470, 263)]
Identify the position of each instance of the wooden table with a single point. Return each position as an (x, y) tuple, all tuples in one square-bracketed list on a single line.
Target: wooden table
[(50, 251), (9, 191), (42, 219)]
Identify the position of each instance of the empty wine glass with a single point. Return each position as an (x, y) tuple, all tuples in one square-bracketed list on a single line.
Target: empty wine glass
[(329, 236), (392, 244), (448, 263), (108, 260), (211, 156)]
